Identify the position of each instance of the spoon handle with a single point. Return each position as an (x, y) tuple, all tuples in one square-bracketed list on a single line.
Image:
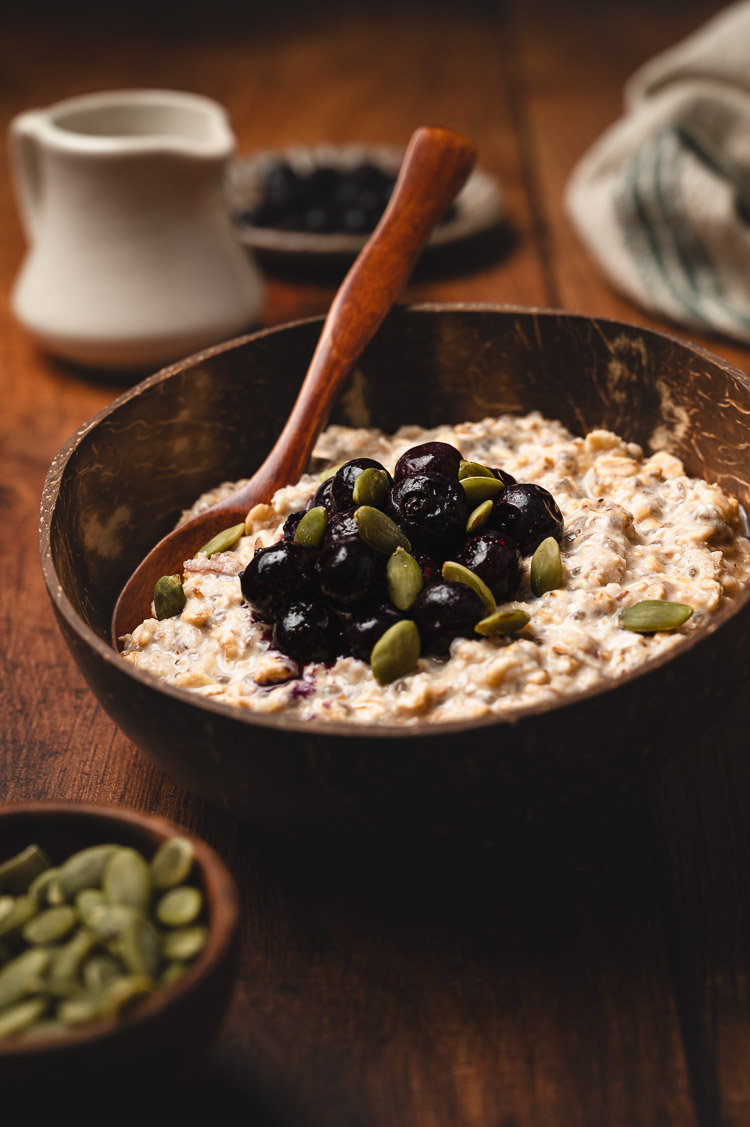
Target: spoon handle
[(435, 165)]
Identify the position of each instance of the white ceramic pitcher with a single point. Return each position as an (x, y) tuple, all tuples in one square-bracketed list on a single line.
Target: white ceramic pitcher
[(132, 259)]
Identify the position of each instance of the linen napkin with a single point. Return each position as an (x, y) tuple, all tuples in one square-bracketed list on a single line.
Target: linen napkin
[(662, 199)]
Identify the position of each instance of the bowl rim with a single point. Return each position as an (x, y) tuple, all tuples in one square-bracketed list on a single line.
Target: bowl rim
[(332, 728), (222, 932)]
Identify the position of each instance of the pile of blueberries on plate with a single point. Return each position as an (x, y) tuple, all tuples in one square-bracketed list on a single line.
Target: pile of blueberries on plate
[(323, 200), (371, 550)]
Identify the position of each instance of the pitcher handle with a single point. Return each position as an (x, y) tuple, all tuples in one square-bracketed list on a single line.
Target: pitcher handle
[(23, 144)]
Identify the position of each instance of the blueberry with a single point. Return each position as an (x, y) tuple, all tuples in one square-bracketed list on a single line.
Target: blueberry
[(431, 572), (343, 480), (432, 512), (306, 630), (291, 523), (278, 573), (492, 556), (431, 457), (527, 513), (364, 628), (349, 573), (341, 526), (323, 496), (446, 611), (504, 476)]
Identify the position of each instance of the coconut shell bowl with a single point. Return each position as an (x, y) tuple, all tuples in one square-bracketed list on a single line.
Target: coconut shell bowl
[(123, 479), (123, 1057)]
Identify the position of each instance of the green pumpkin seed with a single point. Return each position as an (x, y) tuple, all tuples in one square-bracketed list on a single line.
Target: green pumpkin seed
[(172, 862), (187, 942), (502, 622), (312, 528), (24, 907), (652, 615), (84, 869), (404, 579), (17, 873), (88, 900), (41, 884), (23, 975), (139, 947), (179, 906), (100, 971), (456, 573), (79, 1010), (371, 487), (109, 920), (396, 652), (172, 972), (18, 1018), (330, 471), (50, 925), (67, 959), (7, 904), (546, 567), (379, 531), (223, 540), (473, 469), (127, 879), (123, 991), (46, 1027), (478, 489), (169, 597), (479, 516)]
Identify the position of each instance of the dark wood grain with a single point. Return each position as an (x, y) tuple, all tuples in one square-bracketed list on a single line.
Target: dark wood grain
[(598, 978)]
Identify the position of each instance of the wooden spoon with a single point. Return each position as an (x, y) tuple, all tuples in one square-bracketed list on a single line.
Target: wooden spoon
[(435, 165)]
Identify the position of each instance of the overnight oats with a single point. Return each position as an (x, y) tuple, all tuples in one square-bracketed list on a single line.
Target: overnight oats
[(447, 574)]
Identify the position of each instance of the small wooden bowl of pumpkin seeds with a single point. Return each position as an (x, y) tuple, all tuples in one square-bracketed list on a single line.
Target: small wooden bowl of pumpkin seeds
[(117, 948)]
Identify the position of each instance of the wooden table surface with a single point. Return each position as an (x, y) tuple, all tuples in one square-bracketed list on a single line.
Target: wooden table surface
[(599, 978)]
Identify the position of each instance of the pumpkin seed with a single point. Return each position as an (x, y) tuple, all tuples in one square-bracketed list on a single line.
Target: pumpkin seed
[(169, 597), (371, 487), (123, 991), (379, 531), (187, 942), (7, 904), (24, 907), (404, 579), (456, 573), (17, 873), (20, 1017), (312, 528), (88, 900), (396, 652), (652, 615), (40, 886), (223, 540), (172, 972), (179, 906), (100, 971), (127, 879), (479, 488), (546, 567), (79, 1010), (23, 975), (50, 925), (109, 920), (139, 946), (502, 622), (66, 960), (172, 862), (473, 469), (84, 869), (46, 1027), (479, 516)]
